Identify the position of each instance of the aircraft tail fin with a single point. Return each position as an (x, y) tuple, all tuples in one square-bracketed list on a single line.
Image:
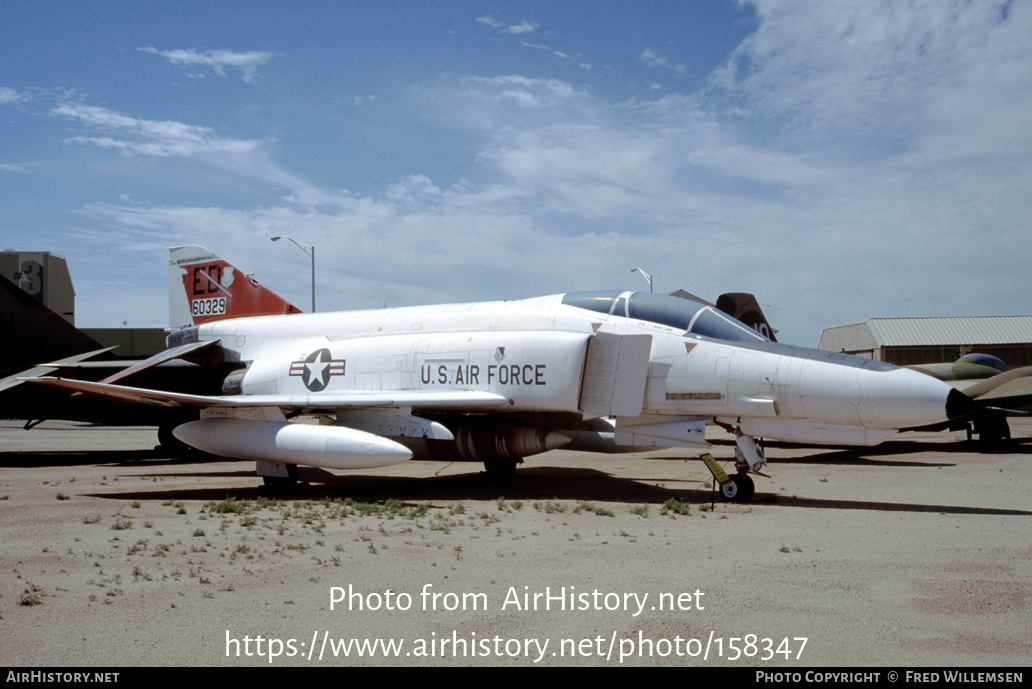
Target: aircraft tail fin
[(745, 308), (202, 287), (31, 332)]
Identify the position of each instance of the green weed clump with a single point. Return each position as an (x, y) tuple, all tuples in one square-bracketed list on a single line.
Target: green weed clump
[(675, 506), (33, 595), (229, 505)]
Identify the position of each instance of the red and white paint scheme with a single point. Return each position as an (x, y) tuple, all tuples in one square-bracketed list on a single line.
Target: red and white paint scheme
[(203, 288)]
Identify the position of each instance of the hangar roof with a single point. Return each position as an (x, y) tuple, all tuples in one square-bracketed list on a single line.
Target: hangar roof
[(949, 330)]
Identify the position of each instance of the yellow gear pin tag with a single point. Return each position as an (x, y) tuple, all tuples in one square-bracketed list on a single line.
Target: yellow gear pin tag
[(714, 468)]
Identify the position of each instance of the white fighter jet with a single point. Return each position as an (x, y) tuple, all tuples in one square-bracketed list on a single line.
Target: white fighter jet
[(494, 382)]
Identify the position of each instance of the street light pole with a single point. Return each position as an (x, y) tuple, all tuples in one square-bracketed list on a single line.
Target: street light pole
[(309, 249)]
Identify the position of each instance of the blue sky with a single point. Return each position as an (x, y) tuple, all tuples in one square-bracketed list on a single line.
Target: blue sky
[(840, 160)]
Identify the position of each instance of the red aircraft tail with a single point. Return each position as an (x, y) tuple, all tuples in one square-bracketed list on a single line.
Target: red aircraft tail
[(203, 288)]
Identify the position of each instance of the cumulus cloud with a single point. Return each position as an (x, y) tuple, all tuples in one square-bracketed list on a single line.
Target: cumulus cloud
[(216, 60), (742, 186), (831, 139), (885, 72)]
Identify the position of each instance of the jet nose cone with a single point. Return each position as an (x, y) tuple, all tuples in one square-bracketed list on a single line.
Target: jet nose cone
[(959, 405), (903, 398)]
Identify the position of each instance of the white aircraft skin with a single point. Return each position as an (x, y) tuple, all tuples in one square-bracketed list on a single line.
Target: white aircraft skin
[(497, 381)]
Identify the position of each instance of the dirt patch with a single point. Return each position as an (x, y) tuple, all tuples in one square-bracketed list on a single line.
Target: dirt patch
[(914, 553)]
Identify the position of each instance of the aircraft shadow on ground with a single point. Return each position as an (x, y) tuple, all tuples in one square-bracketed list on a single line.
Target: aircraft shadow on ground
[(894, 449), (851, 455), (870, 505), (844, 457), (100, 458), (529, 484), (536, 483)]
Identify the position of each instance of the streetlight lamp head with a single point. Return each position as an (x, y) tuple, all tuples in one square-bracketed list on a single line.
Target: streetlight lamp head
[(308, 249), (645, 275)]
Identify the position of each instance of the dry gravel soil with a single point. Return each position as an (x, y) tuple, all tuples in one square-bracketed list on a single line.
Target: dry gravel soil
[(913, 553)]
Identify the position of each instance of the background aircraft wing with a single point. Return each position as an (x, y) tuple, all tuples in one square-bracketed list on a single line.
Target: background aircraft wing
[(1011, 390), (44, 369)]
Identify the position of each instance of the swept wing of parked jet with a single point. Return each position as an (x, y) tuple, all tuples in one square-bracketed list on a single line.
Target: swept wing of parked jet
[(605, 371)]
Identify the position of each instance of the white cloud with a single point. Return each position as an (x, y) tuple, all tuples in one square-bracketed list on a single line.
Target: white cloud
[(526, 27), (216, 60), (885, 72), (836, 148), (575, 59), (654, 59), (8, 95), (743, 186), (522, 27), (490, 21), (147, 137)]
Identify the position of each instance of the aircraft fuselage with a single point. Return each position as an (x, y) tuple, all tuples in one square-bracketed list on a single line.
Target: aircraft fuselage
[(538, 355)]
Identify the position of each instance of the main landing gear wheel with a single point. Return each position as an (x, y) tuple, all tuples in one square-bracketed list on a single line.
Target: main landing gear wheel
[(168, 443), (739, 488), (500, 468), (282, 482)]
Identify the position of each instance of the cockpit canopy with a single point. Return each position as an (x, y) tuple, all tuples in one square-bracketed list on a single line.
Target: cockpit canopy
[(675, 312)]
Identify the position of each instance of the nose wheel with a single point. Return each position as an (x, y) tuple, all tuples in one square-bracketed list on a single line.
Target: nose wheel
[(738, 488)]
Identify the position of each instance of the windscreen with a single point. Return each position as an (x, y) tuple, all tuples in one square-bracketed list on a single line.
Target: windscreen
[(683, 314)]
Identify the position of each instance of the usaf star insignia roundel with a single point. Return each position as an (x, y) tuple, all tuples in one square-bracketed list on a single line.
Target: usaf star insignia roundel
[(316, 369)]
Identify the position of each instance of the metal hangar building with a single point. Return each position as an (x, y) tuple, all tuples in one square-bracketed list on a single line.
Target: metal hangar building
[(909, 341)]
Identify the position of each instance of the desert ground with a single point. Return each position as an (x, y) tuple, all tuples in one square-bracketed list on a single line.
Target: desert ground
[(913, 553)]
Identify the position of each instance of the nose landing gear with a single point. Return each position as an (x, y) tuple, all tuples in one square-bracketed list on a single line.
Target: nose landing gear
[(748, 457)]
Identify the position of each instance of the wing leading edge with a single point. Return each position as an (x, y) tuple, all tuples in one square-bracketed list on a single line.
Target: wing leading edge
[(446, 400)]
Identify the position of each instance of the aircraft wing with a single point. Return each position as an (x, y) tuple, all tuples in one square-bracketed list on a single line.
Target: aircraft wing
[(1011, 390), (470, 401)]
